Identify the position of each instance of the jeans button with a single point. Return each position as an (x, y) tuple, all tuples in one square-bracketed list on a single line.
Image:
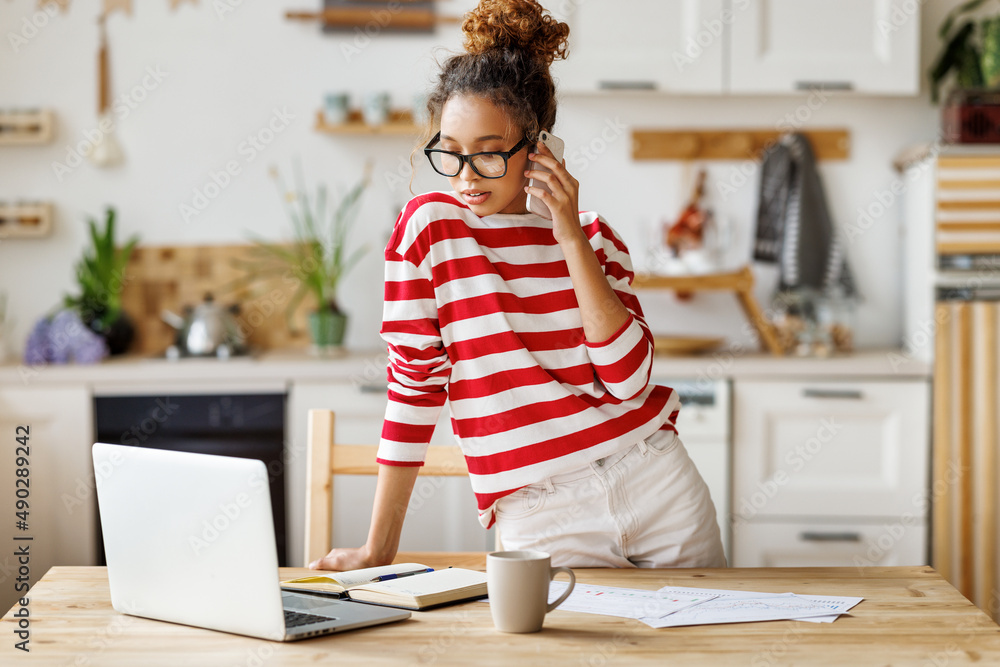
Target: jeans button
[(600, 463)]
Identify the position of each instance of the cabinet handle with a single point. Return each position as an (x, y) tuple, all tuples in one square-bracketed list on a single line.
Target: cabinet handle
[(854, 394), (810, 536), (373, 388), (824, 85), (627, 85)]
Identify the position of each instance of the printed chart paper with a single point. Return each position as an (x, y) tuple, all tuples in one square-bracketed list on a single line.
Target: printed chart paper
[(624, 602), (747, 606)]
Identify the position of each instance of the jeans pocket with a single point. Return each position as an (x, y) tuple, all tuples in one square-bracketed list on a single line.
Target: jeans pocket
[(662, 442), (522, 503)]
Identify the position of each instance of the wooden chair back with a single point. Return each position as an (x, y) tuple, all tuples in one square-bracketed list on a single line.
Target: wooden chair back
[(326, 458)]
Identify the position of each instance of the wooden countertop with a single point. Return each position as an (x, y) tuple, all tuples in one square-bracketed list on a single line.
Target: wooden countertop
[(910, 616), (273, 370)]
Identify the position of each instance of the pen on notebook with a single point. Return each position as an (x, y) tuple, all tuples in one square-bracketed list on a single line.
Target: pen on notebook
[(388, 577)]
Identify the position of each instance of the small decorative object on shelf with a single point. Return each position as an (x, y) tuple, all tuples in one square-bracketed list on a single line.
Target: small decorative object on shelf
[(25, 219), (336, 107), (397, 122), (813, 324), (375, 16), (29, 126)]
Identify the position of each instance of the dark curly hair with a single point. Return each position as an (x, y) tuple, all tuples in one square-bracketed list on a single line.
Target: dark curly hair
[(509, 45)]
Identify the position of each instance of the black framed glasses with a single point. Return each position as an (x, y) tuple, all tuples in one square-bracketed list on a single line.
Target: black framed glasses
[(490, 164)]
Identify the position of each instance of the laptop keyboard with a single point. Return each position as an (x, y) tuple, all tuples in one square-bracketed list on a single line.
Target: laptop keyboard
[(295, 619)]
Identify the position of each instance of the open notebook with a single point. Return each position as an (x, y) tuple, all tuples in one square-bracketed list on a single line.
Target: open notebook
[(403, 585)]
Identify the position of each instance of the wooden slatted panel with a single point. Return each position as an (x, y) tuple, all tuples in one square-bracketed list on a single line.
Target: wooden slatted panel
[(976, 205), (942, 505), (967, 216), (968, 226), (965, 459), (963, 419), (968, 247), (969, 161), (984, 474), (969, 184)]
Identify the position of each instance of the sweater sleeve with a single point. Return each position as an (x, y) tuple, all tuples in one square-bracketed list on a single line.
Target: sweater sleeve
[(624, 361), (419, 367)]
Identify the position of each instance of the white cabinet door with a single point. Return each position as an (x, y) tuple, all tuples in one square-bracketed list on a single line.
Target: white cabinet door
[(673, 46), (442, 513), (830, 449), (62, 503), (857, 545), (867, 46)]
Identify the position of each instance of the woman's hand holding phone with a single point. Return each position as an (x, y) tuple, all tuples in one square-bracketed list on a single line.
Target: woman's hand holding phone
[(561, 196)]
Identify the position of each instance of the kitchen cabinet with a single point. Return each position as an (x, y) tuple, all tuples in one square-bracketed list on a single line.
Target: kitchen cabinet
[(782, 46), (62, 503), (674, 47), (741, 46), (442, 513), (830, 470), (851, 544)]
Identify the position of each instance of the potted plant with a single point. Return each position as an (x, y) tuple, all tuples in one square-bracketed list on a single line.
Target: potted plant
[(971, 50), (100, 275), (317, 258)]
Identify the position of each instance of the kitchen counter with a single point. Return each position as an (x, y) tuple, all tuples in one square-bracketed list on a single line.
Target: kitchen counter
[(273, 369)]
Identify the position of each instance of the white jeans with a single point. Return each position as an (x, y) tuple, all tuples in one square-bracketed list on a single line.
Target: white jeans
[(645, 506)]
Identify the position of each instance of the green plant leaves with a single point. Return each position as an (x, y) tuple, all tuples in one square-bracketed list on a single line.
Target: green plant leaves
[(100, 274), (317, 257), (949, 20), (958, 54)]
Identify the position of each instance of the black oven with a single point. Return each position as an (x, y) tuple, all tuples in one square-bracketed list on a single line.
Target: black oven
[(243, 425)]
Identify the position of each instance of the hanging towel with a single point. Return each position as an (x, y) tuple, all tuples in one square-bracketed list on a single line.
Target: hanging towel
[(794, 229)]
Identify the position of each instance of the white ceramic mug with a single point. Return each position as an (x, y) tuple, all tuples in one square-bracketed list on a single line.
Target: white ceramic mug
[(337, 107), (518, 585), (376, 108)]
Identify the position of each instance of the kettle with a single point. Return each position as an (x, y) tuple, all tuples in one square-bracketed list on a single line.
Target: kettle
[(206, 330)]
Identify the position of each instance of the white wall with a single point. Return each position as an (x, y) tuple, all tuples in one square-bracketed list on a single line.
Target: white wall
[(225, 75)]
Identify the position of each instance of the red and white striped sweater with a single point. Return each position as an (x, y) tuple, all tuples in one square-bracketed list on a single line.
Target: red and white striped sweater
[(482, 311)]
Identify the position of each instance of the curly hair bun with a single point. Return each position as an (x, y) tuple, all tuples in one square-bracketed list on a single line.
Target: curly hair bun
[(515, 24)]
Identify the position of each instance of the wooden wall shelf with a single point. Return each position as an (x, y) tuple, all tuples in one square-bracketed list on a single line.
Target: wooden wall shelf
[(33, 126), (25, 220), (400, 123), (740, 282), (651, 144), (400, 17)]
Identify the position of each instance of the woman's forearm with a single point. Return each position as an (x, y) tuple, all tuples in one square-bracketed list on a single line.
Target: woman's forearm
[(602, 311), (392, 496)]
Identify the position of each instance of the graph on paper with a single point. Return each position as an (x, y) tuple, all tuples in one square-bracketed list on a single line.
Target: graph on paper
[(748, 606), (624, 602)]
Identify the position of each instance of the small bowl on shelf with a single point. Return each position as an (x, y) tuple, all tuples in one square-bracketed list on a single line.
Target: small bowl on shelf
[(685, 345)]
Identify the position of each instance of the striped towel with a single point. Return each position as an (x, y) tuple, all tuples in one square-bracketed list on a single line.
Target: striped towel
[(794, 229)]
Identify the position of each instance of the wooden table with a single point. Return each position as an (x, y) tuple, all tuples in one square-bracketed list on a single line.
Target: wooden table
[(910, 616)]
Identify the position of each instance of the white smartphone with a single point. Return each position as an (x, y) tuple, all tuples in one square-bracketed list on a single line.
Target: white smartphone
[(556, 145)]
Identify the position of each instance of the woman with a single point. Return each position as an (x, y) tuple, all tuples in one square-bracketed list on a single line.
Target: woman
[(529, 325)]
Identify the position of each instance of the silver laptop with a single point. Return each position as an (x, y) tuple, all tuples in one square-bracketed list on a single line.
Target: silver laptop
[(189, 539)]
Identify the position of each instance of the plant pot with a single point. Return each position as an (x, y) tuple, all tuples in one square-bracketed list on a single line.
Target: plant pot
[(327, 328), (118, 335)]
